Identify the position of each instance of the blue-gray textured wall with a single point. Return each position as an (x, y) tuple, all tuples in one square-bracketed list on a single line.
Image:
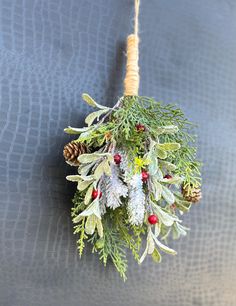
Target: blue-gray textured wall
[(51, 51)]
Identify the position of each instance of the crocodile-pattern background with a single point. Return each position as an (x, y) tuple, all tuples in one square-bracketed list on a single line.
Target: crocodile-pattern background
[(51, 51)]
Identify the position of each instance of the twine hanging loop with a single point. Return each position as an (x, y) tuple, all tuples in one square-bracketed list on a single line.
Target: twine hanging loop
[(131, 82)]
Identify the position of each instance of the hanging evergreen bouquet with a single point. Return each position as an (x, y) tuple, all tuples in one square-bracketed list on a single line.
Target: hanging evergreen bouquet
[(137, 174)]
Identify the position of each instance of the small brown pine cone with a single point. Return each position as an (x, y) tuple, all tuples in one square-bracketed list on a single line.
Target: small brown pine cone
[(193, 195), (72, 151)]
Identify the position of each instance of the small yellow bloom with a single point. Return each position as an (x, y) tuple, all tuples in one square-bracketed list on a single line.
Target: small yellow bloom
[(140, 163)]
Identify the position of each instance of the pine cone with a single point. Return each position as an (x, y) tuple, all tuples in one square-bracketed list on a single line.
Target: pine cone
[(72, 151), (193, 195)]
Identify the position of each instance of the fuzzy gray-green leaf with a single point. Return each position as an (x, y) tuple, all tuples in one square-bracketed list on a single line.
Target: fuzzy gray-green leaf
[(179, 230), (92, 116), (161, 153), (88, 195), (72, 130), (88, 158), (164, 217), (99, 170), (167, 165), (73, 178), (99, 227), (174, 180), (169, 146), (163, 247), (90, 101), (157, 188), (82, 185), (168, 195), (90, 224), (156, 256)]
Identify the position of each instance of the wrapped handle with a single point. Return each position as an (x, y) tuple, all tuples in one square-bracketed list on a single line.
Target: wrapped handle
[(131, 82)]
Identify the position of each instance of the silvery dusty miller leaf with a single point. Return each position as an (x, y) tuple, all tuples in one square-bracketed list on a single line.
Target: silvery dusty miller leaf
[(91, 117), (91, 101)]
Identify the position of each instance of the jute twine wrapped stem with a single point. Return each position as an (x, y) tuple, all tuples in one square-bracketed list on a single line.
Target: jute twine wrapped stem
[(131, 82)]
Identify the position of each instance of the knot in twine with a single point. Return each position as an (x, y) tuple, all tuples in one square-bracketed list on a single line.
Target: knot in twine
[(131, 82)]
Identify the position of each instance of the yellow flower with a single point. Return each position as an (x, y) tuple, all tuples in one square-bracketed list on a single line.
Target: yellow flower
[(140, 163)]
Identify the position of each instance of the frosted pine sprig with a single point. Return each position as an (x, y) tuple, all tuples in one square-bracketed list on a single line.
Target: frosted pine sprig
[(125, 166), (136, 203), (114, 189), (124, 161)]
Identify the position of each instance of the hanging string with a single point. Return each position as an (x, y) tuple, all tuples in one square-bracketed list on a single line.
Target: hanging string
[(136, 24), (131, 82)]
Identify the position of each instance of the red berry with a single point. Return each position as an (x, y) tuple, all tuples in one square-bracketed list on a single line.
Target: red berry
[(95, 194), (117, 159), (168, 176), (153, 219), (145, 176), (140, 127), (173, 206)]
